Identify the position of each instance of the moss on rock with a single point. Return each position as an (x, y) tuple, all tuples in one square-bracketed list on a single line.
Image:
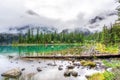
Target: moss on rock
[(88, 63)]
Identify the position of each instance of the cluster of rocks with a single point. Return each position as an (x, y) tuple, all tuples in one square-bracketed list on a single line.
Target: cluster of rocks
[(68, 73), (70, 69), (16, 72)]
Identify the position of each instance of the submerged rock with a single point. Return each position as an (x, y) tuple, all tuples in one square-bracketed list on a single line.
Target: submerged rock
[(39, 69), (50, 64), (13, 73), (22, 69), (28, 76), (60, 68), (32, 65), (10, 57), (39, 62)]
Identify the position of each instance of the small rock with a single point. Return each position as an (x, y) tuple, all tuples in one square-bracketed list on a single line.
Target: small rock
[(76, 64), (28, 76), (39, 69), (32, 65), (74, 73), (60, 68), (67, 73), (50, 64), (22, 69), (60, 65), (73, 60), (82, 67), (87, 76), (45, 67), (70, 66), (10, 57), (13, 73)]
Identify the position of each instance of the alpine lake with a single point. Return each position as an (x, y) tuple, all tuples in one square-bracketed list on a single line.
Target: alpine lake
[(44, 69)]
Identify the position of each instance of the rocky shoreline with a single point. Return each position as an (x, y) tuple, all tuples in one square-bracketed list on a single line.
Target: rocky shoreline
[(35, 69)]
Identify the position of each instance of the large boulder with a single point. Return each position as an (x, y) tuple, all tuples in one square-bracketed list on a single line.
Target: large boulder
[(13, 73)]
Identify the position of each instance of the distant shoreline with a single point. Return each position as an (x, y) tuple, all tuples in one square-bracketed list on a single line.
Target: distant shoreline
[(41, 44)]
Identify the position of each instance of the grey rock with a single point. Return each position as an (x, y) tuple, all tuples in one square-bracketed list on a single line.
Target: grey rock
[(22, 69), (76, 64), (74, 73), (50, 64), (39, 69), (10, 57), (70, 66), (87, 76), (60, 68), (67, 73)]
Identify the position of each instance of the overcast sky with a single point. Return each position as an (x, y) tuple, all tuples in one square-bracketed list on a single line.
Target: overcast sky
[(58, 13)]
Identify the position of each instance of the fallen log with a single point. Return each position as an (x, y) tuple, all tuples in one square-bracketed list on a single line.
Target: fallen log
[(105, 56)]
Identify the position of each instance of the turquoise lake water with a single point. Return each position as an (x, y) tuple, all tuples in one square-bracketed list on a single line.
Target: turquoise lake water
[(32, 49)]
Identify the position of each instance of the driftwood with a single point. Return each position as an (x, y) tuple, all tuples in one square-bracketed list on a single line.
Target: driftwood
[(100, 56)]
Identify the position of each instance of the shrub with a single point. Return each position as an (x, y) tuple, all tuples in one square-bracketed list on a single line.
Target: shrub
[(97, 76), (102, 76)]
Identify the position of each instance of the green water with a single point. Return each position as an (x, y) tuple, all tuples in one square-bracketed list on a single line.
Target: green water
[(22, 50)]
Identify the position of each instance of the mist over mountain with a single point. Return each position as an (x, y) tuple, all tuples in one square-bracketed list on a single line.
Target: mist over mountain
[(24, 29), (61, 15), (94, 24)]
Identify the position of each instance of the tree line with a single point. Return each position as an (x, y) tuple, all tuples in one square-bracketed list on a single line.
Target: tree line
[(106, 36), (43, 38)]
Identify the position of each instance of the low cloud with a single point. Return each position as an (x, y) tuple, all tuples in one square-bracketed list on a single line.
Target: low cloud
[(61, 14)]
